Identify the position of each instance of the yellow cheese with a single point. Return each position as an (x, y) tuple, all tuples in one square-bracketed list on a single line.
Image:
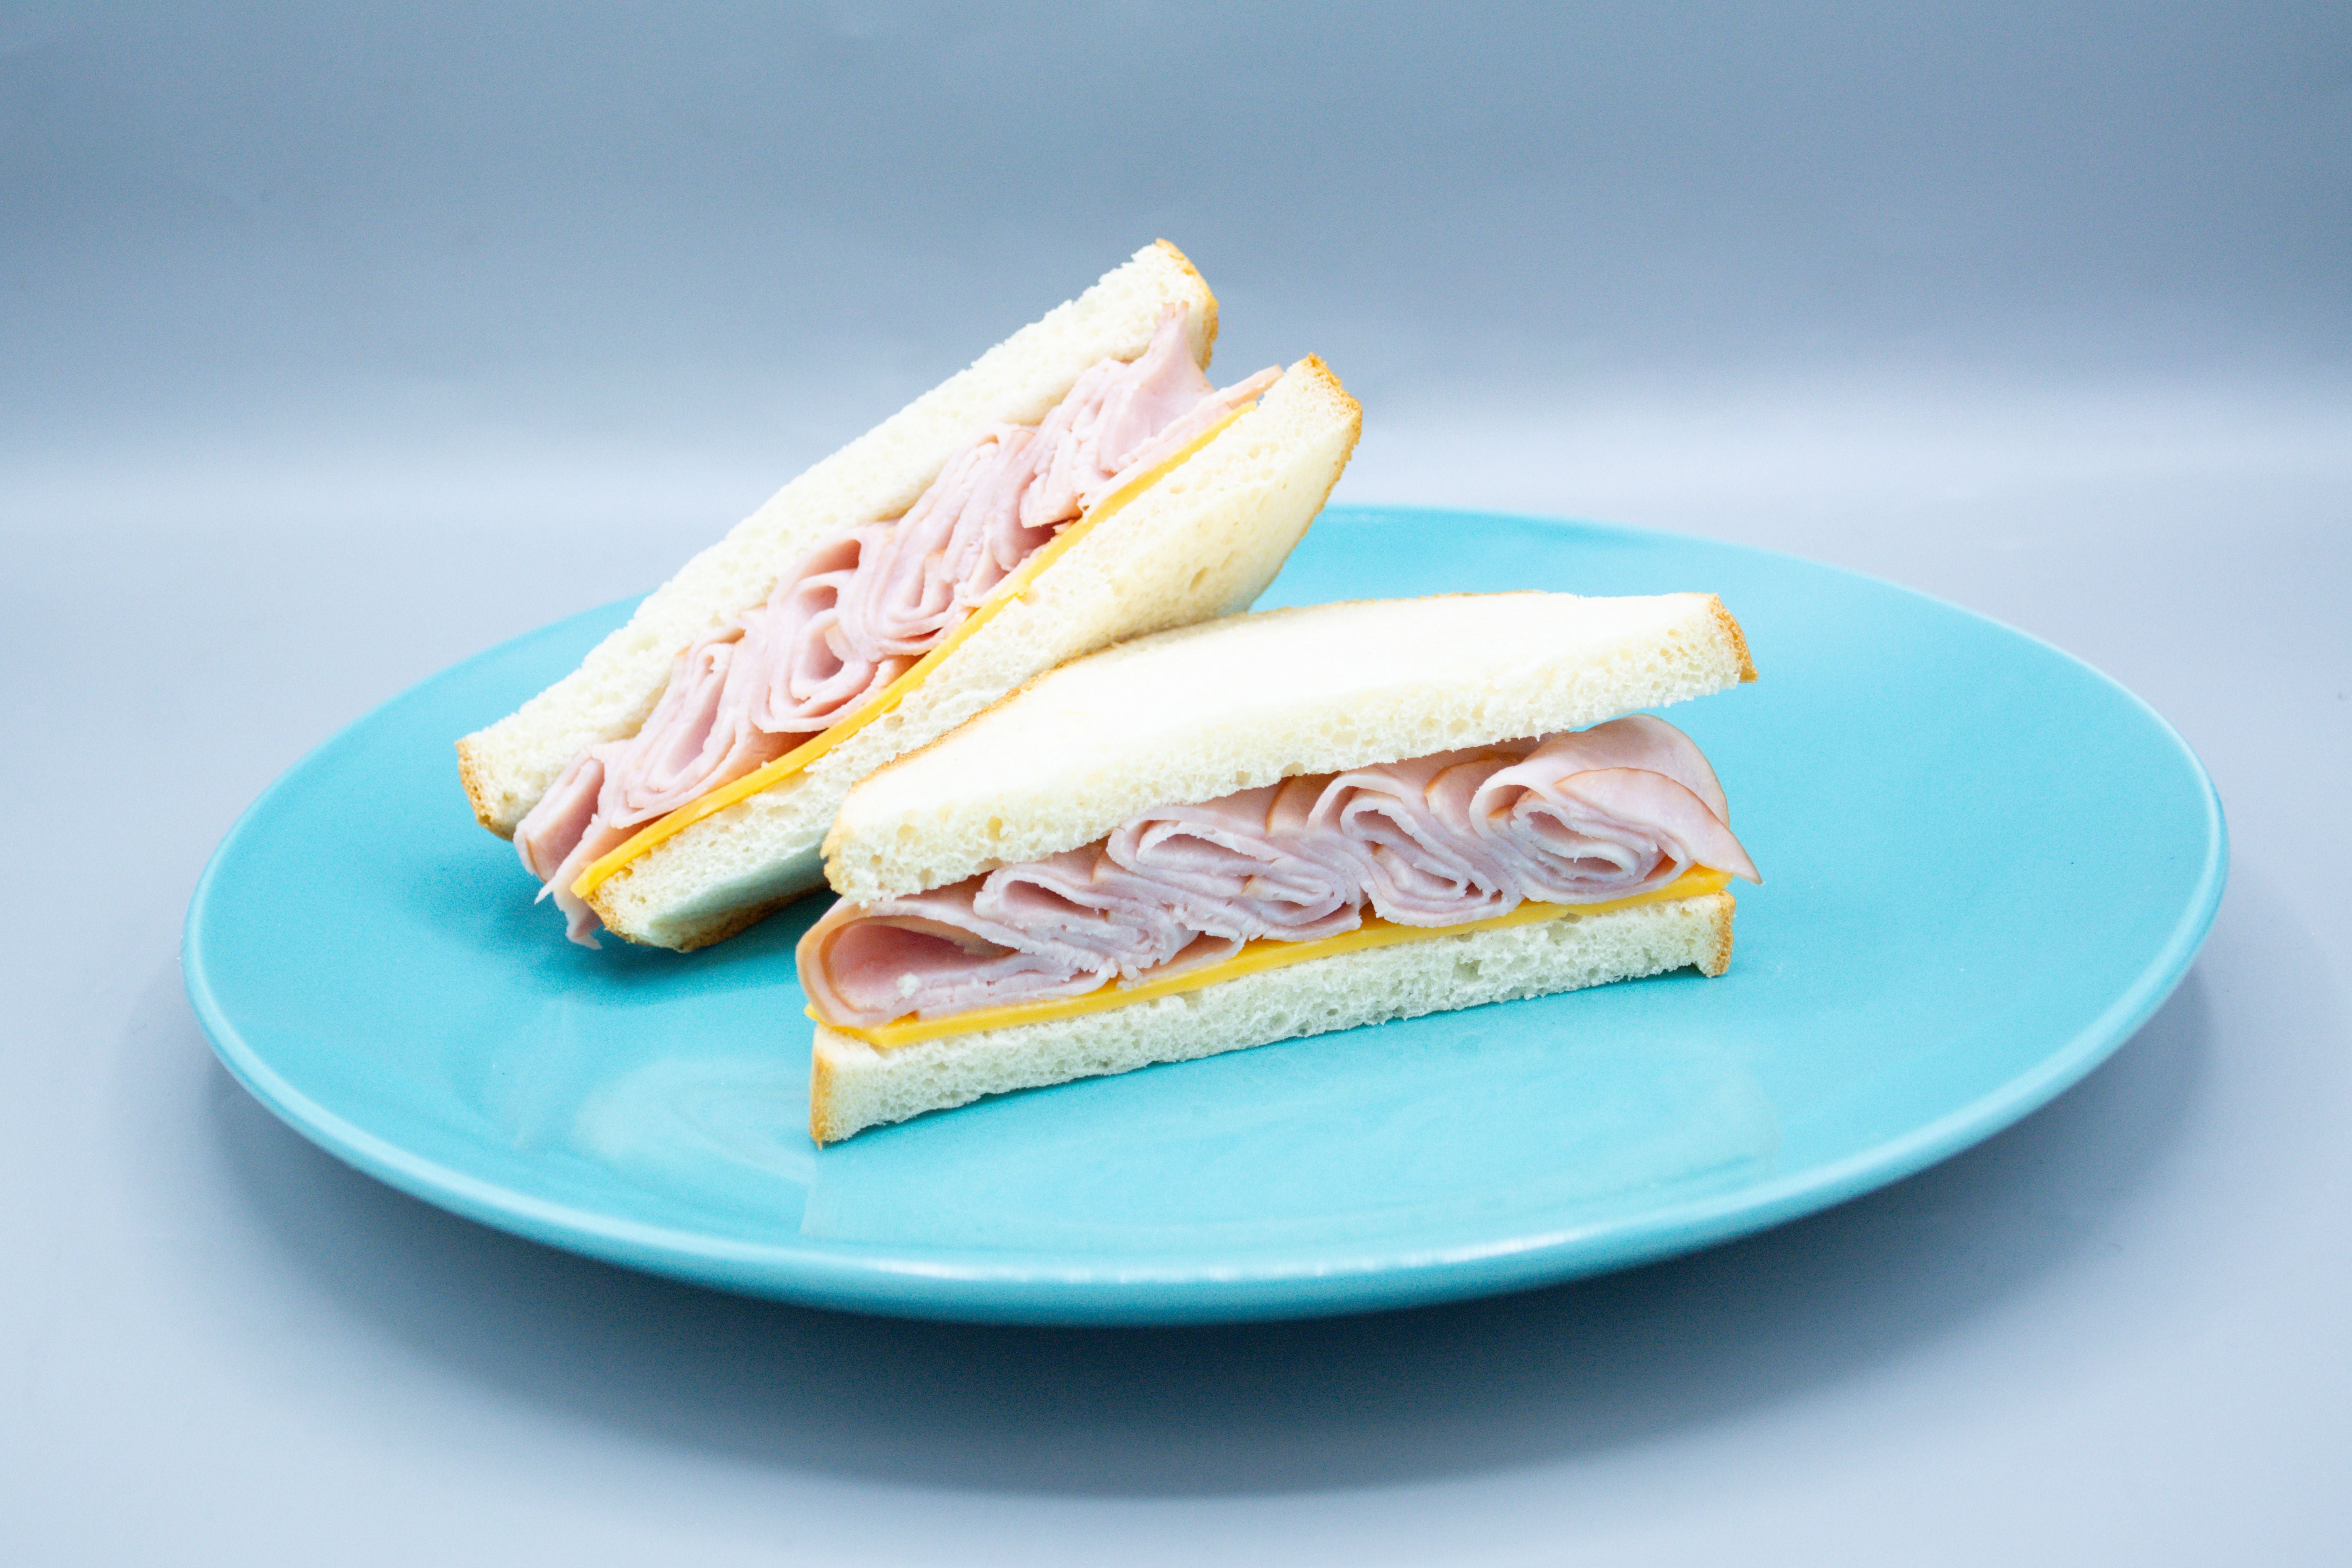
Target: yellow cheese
[(1266, 953), (1016, 585)]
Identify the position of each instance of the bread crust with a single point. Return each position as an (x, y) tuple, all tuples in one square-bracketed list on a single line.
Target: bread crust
[(1209, 309), (1717, 959), (470, 773), (1728, 629)]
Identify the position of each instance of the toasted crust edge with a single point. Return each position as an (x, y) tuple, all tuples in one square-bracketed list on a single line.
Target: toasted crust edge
[(1728, 625), (1209, 323), (469, 773)]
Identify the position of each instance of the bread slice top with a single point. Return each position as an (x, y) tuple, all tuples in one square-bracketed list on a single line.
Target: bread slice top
[(506, 766), (1193, 714)]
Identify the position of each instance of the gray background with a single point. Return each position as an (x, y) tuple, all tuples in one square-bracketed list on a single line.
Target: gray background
[(335, 345)]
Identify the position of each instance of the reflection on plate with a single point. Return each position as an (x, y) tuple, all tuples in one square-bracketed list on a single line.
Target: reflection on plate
[(1985, 865)]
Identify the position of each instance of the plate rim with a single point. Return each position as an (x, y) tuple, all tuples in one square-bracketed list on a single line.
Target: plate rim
[(1045, 1287)]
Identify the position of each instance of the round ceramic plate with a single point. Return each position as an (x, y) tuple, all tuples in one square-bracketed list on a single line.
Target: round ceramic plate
[(1985, 865)]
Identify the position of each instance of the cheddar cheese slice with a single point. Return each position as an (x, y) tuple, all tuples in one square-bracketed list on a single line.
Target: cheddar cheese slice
[(1266, 953)]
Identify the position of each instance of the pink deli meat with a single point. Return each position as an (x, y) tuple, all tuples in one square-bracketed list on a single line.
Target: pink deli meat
[(1583, 817), (862, 607)]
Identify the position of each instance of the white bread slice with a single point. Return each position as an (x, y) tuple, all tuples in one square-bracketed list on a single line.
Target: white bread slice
[(852, 1086), (1193, 714), (1204, 541), (508, 766)]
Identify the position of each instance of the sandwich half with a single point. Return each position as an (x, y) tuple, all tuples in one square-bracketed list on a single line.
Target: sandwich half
[(1082, 483), (1272, 825)]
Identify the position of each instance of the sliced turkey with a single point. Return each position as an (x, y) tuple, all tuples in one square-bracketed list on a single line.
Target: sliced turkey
[(1583, 817)]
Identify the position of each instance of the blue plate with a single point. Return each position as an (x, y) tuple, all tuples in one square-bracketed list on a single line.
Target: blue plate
[(1986, 864)]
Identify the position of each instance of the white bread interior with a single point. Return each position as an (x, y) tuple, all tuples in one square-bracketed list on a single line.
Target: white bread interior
[(508, 766), (1196, 713), (852, 1086), (1204, 541)]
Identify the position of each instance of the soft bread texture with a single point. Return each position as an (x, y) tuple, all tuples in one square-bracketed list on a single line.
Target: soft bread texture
[(1204, 541), (508, 766), (852, 1086), (1193, 714)]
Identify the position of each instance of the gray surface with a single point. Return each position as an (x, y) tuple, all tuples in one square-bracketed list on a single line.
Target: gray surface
[(334, 350)]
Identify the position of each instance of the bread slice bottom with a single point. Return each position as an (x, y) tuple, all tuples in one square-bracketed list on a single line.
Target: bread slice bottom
[(852, 1086)]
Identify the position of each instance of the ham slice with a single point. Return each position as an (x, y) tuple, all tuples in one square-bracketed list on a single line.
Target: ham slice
[(1584, 817), (933, 950), (1245, 867), (804, 668), (557, 822), (1406, 825), (861, 608), (1058, 926), (1081, 903), (563, 836), (1606, 813)]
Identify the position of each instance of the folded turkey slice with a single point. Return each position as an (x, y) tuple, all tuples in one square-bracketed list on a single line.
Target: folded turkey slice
[(1588, 817)]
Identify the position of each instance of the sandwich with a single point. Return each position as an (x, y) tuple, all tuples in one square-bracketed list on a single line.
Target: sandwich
[(1084, 483), (1271, 826)]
